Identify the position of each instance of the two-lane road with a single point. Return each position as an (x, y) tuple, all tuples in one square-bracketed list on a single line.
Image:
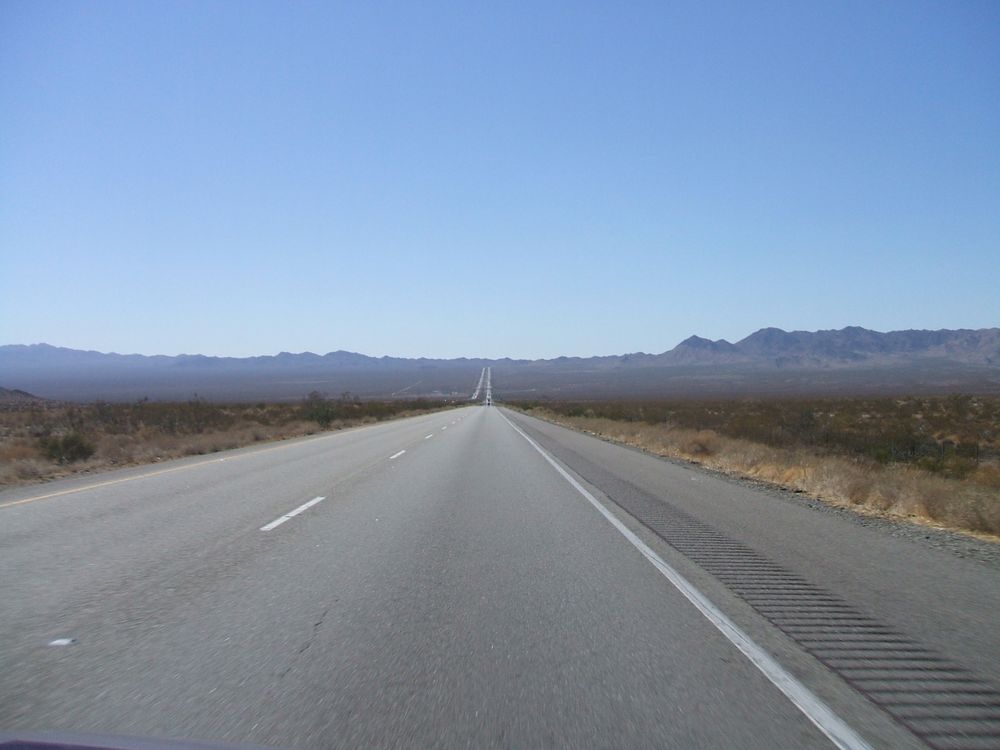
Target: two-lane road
[(462, 578)]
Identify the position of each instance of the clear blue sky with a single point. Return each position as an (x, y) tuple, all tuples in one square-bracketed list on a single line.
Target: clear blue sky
[(493, 179)]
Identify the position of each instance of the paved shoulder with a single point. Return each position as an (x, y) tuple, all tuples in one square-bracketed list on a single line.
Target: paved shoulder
[(906, 626)]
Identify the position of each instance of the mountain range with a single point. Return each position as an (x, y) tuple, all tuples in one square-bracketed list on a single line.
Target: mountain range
[(769, 361)]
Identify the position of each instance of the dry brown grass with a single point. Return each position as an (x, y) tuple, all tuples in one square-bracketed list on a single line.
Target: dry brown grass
[(142, 433), (971, 504)]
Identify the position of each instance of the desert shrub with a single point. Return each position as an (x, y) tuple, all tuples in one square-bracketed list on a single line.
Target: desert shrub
[(67, 449), (703, 443), (988, 475), (328, 412), (320, 410), (26, 470)]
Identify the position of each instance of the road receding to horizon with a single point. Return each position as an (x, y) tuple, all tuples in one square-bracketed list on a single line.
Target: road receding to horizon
[(477, 577)]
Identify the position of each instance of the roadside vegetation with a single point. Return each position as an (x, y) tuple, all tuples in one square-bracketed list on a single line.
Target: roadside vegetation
[(44, 440), (934, 459)]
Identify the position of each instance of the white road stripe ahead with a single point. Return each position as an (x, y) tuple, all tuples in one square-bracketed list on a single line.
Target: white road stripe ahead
[(829, 723), (302, 508), (397, 455)]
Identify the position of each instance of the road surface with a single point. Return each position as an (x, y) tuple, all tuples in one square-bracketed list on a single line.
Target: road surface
[(484, 386), (475, 577)]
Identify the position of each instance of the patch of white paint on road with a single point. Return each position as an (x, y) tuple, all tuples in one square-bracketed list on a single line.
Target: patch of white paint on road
[(397, 455)]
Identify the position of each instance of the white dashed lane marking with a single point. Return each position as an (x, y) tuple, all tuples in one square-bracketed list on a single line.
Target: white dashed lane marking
[(301, 509)]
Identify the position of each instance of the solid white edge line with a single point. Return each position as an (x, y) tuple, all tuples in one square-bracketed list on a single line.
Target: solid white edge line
[(397, 455), (835, 728), (304, 507)]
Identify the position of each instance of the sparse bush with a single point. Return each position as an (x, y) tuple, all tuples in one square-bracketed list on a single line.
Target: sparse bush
[(68, 448), (318, 409), (331, 412), (988, 475), (704, 443), (27, 470)]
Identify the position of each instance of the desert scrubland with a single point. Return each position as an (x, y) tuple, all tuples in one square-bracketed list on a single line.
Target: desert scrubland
[(42, 440), (930, 459)]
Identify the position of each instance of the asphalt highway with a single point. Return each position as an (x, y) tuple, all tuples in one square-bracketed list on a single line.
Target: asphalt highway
[(476, 578)]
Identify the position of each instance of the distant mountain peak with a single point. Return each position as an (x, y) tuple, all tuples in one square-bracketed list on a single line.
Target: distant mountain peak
[(698, 342), (17, 397)]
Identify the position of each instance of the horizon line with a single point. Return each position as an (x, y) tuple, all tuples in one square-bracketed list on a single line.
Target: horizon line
[(507, 357)]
